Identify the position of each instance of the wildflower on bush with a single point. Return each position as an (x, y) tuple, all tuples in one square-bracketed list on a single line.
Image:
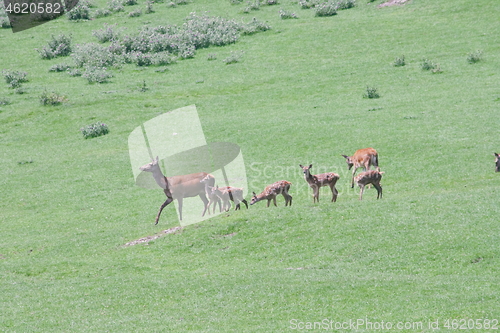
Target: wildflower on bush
[(59, 46)]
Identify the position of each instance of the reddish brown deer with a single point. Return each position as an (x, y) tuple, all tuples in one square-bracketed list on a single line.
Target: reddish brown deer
[(497, 162), (273, 190), (212, 197), (178, 187), (362, 158), (317, 181), (369, 177), (229, 193)]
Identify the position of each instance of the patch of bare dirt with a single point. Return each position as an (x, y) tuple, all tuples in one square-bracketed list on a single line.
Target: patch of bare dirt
[(392, 3), (150, 238)]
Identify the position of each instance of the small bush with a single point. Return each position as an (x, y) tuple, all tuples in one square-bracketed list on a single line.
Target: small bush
[(94, 130), (52, 98), (326, 9), (102, 13), (80, 12), (252, 5), (345, 4), (306, 4), (254, 26), (59, 68), (92, 54), (129, 2), (5, 22), (59, 46), (371, 92), (427, 65), (95, 74), (15, 78), (211, 57), (107, 34), (235, 2), (399, 61), (135, 13), (474, 57), (271, 2), (149, 7), (285, 14), (233, 58), (75, 72), (4, 101), (116, 6)]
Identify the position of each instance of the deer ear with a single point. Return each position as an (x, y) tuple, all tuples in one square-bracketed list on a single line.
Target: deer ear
[(254, 194), (300, 165), (496, 155), (345, 156), (310, 166)]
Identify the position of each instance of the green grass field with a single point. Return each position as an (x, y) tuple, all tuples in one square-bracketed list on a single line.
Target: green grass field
[(427, 252)]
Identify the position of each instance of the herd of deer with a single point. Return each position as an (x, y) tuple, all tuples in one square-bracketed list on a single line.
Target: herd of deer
[(202, 184)]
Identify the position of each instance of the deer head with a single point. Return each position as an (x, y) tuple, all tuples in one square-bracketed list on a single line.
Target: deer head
[(349, 161), (150, 166)]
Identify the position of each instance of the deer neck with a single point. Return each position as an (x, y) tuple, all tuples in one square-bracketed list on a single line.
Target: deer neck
[(309, 178), (160, 179)]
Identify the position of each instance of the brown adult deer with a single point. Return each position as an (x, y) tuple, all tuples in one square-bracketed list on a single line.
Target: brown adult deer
[(178, 187), (369, 177), (320, 180), (229, 193), (497, 162), (273, 190), (362, 158), (212, 197)]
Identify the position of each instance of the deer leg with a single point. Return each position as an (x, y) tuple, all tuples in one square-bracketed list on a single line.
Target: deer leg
[(352, 182), (268, 202), (169, 200), (288, 200), (362, 187), (274, 201), (203, 198), (179, 200), (335, 193), (379, 190), (245, 202)]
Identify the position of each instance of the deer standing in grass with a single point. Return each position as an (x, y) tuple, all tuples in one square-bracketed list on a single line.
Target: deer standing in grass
[(273, 190), (362, 158), (369, 177), (212, 197), (178, 187), (320, 180), (497, 162), (229, 193)]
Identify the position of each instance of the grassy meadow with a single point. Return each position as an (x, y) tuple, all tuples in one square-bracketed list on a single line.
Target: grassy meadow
[(426, 252)]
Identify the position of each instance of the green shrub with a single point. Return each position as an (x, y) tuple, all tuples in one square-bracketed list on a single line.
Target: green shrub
[(149, 7), (95, 74), (212, 56), (59, 68), (116, 6), (135, 13), (326, 9), (285, 14), (129, 2), (91, 54), (254, 26), (15, 78), (427, 65), (107, 34), (252, 5), (371, 92), (59, 46), (233, 57), (345, 4), (5, 22), (80, 12), (399, 61), (102, 13), (4, 101), (52, 98), (474, 57), (94, 130)]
